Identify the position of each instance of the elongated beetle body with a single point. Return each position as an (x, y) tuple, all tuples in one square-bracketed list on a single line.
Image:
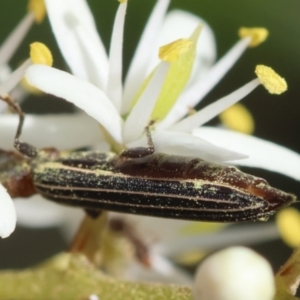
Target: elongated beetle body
[(140, 181)]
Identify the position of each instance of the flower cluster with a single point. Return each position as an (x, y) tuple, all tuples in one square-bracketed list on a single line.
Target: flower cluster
[(172, 70), (9, 85)]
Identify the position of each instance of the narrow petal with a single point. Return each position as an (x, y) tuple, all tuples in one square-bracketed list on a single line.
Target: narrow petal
[(212, 110), (138, 68), (184, 144), (200, 88), (80, 92), (180, 24), (139, 116), (8, 216), (77, 37), (262, 154), (11, 44), (60, 131), (114, 86)]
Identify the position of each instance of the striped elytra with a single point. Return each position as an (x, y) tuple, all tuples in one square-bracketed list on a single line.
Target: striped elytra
[(156, 185)]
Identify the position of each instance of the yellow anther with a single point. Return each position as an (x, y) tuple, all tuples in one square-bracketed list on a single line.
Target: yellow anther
[(171, 52), (40, 54), (238, 117), (190, 258), (37, 7), (258, 35), (122, 1), (270, 80), (195, 228), (288, 223)]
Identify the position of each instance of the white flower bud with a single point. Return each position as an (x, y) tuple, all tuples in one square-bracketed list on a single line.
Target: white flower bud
[(233, 274)]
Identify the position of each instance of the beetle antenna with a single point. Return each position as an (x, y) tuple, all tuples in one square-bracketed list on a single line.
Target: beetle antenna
[(24, 148)]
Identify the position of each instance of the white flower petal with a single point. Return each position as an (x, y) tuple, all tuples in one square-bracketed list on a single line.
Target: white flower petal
[(62, 131), (139, 116), (5, 71), (80, 92), (114, 86), (215, 108), (138, 68), (184, 144), (262, 154), (38, 212), (76, 34), (181, 24), (8, 216), (195, 93)]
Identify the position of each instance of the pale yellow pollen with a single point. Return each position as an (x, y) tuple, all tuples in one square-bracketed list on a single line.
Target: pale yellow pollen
[(38, 8), (122, 1), (288, 223), (171, 52), (238, 118), (257, 34), (40, 54), (190, 258), (270, 80)]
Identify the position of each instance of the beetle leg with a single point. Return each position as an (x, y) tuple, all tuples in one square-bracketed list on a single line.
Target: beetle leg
[(141, 151)]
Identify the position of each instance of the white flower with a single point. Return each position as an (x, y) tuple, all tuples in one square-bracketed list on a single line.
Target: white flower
[(98, 88), (124, 110)]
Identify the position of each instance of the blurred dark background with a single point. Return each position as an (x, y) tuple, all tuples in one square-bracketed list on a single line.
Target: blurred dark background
[(276, 117)]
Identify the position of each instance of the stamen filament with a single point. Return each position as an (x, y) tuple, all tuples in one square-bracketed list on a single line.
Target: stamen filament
[(12, 42), (14, 78), (212, 110), (235, 235), (193, 95)]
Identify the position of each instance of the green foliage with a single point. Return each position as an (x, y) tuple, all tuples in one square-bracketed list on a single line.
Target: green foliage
[(71, 277)]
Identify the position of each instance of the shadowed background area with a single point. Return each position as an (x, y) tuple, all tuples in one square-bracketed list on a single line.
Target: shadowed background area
[(276, 117)]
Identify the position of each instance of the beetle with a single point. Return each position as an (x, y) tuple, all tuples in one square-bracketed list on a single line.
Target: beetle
[(138, 181)]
